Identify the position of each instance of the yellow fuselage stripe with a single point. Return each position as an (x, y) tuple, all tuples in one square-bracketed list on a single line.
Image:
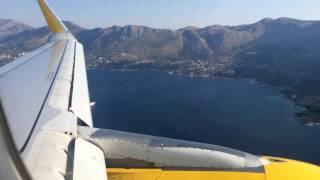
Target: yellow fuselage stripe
[(277, 169), (158, 174)]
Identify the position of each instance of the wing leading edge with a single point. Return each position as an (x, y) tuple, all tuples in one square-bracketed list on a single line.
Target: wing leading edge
[(51, 79), (43, 96)]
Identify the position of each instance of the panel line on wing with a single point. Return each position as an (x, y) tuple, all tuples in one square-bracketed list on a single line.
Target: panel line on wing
[(43, 104), (72, 77), (27, 60)]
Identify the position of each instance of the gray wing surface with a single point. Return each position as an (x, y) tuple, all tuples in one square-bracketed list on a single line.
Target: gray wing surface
[(38, 88), (43, 96)]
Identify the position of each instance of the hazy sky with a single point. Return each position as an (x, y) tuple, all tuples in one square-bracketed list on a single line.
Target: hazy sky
[(161, 13)]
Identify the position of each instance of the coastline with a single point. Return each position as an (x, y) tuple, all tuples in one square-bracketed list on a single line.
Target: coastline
[(310, 114), (309, 106)]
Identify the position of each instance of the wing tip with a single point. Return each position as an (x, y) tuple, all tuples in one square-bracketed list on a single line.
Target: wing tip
[(53, 21)]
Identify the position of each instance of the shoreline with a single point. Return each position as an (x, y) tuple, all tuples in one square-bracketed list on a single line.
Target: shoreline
[(309, 106)]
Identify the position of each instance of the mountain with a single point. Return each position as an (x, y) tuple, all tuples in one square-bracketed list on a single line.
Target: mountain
[(132, 42), (287, 50), (9, 27), (139, 42), (278, 46), (283, 52)]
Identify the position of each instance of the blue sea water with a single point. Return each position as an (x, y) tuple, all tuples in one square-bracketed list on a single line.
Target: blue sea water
[(235, 113)]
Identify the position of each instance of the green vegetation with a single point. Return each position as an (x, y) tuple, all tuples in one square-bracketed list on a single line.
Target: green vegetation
[(311, 114)]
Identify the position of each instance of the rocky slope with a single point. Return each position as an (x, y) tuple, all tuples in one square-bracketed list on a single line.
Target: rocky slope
[(284, 52)]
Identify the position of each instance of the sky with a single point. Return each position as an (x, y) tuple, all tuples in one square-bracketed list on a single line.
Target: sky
[(172, 14)]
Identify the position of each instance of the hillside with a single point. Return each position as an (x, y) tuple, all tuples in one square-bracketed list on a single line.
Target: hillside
[(283, 52), (10, 27), (212, 42)]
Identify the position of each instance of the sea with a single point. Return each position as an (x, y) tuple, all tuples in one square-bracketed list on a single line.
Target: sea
[(236, 113)]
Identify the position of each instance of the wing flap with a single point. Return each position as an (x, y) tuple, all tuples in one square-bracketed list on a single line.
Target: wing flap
[(89, 161), (80, 102)]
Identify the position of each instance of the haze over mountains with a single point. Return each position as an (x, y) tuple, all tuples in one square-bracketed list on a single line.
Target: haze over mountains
[(11, 27), (289, 44), (284, 44), (283, 52), (279, 45), (139, 42)]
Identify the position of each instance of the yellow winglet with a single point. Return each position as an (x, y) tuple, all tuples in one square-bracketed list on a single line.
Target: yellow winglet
[(54, 22)]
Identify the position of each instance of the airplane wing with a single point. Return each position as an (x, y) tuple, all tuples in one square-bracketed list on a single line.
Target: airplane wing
[(46, 129), (44, 96)]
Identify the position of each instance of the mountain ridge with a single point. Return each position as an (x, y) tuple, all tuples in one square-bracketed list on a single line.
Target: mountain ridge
[(191, 42), (216, 43), (9, 27), (284, 52)]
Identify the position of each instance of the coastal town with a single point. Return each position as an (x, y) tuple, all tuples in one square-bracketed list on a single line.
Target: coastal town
[(192, 67)]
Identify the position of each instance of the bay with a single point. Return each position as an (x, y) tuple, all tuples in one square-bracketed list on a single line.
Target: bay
[(252, 117)]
